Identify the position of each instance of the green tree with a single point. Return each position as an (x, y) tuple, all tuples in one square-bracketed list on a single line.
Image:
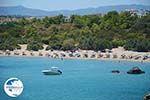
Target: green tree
[(68, 44), (35, 46)]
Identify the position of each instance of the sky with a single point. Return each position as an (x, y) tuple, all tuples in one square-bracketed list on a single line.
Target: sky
[(52, 5)]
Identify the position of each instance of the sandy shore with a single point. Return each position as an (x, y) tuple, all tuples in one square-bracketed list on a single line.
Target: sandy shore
[(114, 54)]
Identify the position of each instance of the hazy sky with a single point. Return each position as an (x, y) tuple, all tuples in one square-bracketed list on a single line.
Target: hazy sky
[(68, 4)]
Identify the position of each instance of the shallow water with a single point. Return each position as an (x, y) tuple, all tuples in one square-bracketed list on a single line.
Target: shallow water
[(81, 79)]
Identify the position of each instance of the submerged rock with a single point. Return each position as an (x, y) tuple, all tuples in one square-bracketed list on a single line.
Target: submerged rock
[(147, 97), (135, 70)]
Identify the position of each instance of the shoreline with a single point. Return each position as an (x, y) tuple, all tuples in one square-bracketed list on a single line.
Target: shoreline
[(116, 54), (74, 58)]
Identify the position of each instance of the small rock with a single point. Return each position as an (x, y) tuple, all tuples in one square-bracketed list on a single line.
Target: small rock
[(115, 71)]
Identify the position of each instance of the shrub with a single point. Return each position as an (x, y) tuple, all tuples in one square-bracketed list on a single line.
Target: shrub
[(102, 44), (138, 45), (35, 46), (68, 44)]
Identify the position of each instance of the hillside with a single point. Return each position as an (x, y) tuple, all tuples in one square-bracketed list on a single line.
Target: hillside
[(23, 11), (89, 32)]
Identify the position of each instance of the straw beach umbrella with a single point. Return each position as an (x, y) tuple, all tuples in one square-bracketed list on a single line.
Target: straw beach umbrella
[(24, 54), (137, 57), (100, 55), (47, 55), (115, 56), (16, 53), (85, 55), (108, 50), (62, 54), (55, 55), (7, 52), (40, 54), (70, 55), (107, 55), (123, 56), (1, 52), (77, 55), (32, 54), (130, 56), (93, 56), (145, 57)]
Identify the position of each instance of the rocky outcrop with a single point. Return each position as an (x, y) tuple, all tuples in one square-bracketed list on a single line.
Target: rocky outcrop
[(135, 70)]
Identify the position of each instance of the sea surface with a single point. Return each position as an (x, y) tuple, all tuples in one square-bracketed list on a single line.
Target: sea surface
[(81, 79)]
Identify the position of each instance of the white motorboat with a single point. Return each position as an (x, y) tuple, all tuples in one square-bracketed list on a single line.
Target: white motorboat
[(52, 71)]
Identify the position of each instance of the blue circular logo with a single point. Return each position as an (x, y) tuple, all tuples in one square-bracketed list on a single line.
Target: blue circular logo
[(13, 87)]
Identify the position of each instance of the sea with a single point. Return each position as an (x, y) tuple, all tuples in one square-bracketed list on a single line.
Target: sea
[(81, 79)]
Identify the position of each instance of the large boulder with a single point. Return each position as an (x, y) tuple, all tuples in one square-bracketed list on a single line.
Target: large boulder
[(135, 70)]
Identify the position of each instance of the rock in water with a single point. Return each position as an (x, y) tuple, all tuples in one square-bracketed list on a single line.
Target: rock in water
[(147, 97), (115, 71), (135, 70)]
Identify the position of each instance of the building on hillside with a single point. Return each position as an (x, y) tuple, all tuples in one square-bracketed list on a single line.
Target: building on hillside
[(67, 19), (7, 19), (140, 12)]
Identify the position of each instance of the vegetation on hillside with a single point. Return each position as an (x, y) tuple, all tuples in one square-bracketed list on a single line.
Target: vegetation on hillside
[(89, 32)]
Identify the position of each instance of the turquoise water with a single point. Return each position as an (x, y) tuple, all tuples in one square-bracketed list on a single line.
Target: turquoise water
[(81, 79)]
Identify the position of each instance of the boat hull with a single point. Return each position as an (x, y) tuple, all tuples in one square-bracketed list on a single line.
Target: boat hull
[(51, 73)]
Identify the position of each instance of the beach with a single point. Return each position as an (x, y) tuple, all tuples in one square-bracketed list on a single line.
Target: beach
[(114, 54)]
